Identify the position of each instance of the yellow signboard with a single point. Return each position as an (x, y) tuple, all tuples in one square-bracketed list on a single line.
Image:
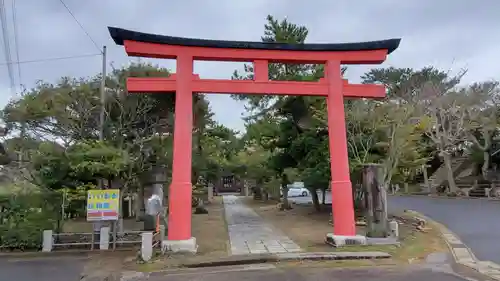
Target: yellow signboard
[(103, 204)]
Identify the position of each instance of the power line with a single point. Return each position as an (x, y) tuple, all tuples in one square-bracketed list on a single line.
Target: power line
[(81, 26), (16, 43), (6, 42), (50, 59)]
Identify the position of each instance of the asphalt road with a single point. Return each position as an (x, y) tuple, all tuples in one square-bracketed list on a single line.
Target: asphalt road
[(316, 274), (46, 269), (475, 221)]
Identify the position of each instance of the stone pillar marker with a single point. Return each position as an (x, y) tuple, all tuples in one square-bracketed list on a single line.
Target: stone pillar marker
[(48, 241), (375, 201), (104, 238), (146, 246)]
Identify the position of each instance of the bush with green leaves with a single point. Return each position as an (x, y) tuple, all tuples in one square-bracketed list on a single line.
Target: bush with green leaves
[(23, 218)]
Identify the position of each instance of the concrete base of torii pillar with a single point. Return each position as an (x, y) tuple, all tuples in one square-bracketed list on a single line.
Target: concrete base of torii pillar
[(180, 246)]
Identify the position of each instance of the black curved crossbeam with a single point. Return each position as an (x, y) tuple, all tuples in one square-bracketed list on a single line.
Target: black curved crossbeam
[(119, 35)]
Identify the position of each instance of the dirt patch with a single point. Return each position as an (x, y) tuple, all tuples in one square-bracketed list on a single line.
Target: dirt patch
[(307, 227), (212, 238), (211, 230)]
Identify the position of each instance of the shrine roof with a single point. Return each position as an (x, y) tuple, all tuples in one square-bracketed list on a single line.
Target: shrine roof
[(120, 35)]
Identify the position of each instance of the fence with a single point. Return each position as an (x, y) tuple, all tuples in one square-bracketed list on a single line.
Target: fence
[(148, 240)]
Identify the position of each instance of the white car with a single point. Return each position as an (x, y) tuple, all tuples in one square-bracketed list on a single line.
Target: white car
[(295, 191)]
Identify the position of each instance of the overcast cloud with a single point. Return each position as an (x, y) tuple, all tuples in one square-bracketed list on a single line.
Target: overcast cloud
[(451, 35)]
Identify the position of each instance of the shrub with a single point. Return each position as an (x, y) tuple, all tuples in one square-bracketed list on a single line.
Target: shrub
[(23, 218)]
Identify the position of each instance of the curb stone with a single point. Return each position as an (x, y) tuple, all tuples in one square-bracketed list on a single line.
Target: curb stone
[(205, 271), (255, 262), (462, 254), (446, 197), (313, 256)]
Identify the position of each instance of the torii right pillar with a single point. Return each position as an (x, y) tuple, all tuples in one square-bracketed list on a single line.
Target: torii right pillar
[(342, 199), (341, 186)]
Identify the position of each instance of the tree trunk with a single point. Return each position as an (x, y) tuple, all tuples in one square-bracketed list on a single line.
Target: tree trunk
[(257, 192), (284, 200), (407, 189), (323, 200), (486, 164), (315, 199), (449, 172), (426, 178), (140, 204)]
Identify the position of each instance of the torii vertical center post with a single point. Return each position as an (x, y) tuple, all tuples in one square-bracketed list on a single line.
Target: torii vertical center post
[(184, 83)]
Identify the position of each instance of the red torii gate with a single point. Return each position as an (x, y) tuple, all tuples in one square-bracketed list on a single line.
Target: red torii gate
[(185, 84)]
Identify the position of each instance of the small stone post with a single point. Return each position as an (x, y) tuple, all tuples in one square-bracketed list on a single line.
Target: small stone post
[(394, 228), (146, 246), (162, 232), (104, 238), (210, 192), (48, 241), (375, 201)]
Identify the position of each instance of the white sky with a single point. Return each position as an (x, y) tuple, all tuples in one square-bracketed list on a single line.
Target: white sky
[(450, 35)]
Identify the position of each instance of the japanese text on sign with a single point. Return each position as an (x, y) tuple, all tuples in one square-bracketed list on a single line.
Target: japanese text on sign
[(103, 204)]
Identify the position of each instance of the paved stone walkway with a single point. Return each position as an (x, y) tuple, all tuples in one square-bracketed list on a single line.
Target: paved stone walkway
[(249, 234)]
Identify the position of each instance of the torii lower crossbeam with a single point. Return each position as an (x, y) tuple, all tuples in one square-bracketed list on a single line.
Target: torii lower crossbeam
[(218, 86)]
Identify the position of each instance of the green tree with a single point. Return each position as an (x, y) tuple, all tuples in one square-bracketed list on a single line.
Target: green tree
[(291, 115), (483, 118)]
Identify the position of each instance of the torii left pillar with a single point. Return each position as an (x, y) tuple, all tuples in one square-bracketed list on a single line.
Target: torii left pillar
[(179, 217)]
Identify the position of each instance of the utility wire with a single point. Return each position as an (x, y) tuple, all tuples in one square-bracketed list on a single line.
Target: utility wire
[(6, 42), (50, 59), (81, 26), (16, 43)]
